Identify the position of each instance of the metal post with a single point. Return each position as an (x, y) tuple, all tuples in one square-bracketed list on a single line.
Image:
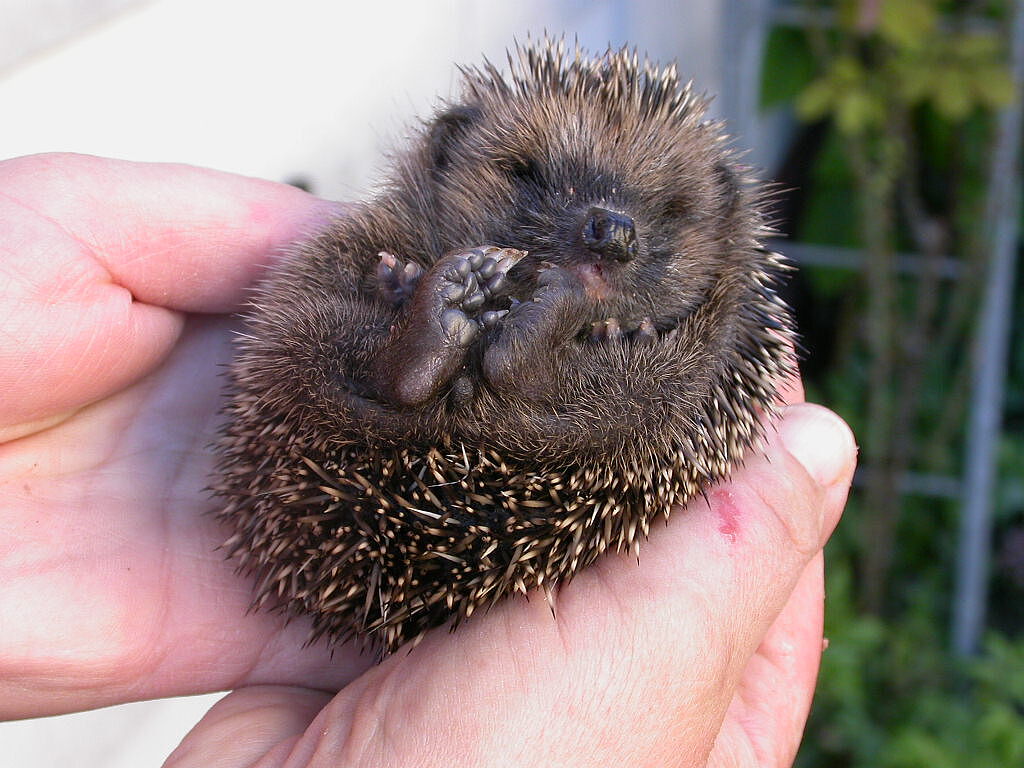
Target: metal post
[(744, 31), (990, 356)]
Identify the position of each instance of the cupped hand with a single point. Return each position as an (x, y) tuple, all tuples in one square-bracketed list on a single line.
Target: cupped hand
[(114, 280)]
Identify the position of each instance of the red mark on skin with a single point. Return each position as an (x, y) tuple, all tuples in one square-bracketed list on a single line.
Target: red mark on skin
[(728, 514)]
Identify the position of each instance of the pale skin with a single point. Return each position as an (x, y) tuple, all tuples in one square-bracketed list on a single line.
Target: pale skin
[(117, 281)]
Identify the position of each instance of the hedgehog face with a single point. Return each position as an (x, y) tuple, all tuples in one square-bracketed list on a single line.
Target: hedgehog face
[(611, 189)]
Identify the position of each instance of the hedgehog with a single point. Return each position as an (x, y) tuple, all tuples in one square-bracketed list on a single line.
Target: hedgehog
[(554, 323)]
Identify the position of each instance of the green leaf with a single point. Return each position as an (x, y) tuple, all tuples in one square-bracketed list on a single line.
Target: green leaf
[(788, 66), (1002, 728), (907, 23), (816, 100), (955, 100), (858, 111), (915, 80), (995, 88), (844, 93), (977, 46)]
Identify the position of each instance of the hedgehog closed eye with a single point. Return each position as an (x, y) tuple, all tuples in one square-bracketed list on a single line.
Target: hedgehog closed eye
[(524, 170), (478, 382)]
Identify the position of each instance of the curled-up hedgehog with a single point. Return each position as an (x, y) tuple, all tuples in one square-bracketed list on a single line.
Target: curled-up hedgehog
[(554, 324)]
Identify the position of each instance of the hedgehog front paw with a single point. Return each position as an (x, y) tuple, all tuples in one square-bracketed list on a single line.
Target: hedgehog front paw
[(477, 276), (554, 300), (527, 338)]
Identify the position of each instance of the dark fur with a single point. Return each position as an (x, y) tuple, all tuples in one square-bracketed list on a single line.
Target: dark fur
[(338, 401)]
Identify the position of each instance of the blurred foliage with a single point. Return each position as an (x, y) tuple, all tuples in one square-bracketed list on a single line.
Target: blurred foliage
[(890, 697), (919, 65), (903, 94)]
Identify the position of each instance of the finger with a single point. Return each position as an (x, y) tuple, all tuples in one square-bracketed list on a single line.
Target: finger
[(251, 726), (100, 257), (176, 236), (791, 387), (642, 661), (766, 718)]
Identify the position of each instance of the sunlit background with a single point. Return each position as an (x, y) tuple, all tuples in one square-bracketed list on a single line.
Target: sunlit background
[(310, 88), (892, 128)]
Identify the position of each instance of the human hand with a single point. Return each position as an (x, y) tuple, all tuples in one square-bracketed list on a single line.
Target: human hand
[(705, 653), (115, 281)]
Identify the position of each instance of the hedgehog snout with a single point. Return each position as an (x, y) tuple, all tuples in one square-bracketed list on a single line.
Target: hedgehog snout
[(609, 234)]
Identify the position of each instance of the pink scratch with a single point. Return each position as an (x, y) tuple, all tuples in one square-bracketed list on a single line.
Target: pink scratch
[(728, 514)]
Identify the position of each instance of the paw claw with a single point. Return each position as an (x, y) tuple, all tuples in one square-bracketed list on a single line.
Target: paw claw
[(646, 333), (411, 273), (396, 281), (506, 258), (492, 318), (606, 330), (388, 262), (507, 262)]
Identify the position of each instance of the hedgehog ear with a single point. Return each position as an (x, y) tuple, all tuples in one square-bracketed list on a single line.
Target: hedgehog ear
[(731, 189), (446, 130)]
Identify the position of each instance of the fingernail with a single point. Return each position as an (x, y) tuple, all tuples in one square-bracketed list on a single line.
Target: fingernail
[(819, 440)]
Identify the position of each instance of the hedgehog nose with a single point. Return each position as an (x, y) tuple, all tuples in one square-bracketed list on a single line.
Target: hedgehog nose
[(609, 234)]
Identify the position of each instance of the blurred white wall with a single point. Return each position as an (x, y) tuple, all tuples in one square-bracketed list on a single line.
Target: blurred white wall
[(310, 88), (30, 26)]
